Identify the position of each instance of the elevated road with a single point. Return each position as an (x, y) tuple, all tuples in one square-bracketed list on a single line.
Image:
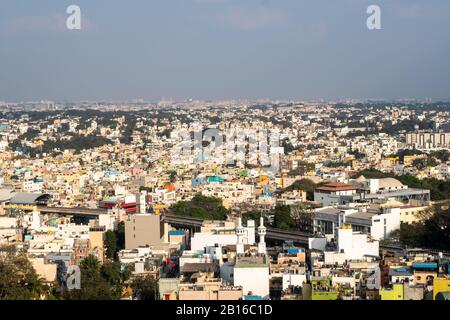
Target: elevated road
[(177, 221), (272, 233), (75, 211)]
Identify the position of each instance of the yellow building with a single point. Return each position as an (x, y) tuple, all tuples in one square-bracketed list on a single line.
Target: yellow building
[(408, 160), (411, 214), (211, 289), (396, 293), (440, 285), (422, 277), (96, 240)]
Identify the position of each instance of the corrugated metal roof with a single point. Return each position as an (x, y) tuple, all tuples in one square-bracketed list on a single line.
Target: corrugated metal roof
[(400, 272), (28, 198), (6, 194)]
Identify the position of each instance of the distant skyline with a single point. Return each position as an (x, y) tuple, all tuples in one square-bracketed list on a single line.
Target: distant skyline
[(224, 49)]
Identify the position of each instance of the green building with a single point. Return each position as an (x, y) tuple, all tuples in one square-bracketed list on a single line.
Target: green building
[(321, 289)]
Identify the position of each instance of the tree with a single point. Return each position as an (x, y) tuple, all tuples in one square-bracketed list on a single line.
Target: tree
[(144, 288), (207, 208), (120, 235), (251, 215), (303, 184), (173, 176), (115, 277), (110, 244), (283, 219), (94, 284), (429, 233), (18, 279), (303, 215), (439, 189)]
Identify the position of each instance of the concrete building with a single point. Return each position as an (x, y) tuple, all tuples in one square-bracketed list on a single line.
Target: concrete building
[(363, 190), (143, 230), (355, 245), (428, 140), (251, 272), (44, 269), (212, 289), (223, 233), (336, 193)]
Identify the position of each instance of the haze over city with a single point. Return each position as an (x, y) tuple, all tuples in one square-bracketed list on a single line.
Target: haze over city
[(224, 49), (237, 157)]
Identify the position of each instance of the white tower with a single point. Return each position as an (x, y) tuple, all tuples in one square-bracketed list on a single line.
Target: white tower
[(262, 233), (240, 232), (142, 201)]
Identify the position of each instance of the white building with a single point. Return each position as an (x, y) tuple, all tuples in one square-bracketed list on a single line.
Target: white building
[(386, 223), (8, 229), (355, 245), (3, 145), (293, 280), (222, 234), (32, 186), (384, 185), (251, 271)]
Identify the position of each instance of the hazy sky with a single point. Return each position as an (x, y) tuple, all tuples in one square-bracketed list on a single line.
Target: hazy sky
[(220, 49)]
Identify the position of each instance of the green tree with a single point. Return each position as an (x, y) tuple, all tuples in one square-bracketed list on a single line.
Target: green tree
[(120, 235), (110, 244), (283, 219), (93, 285), (429, 233), (173, 176), (303, 215), (144, 288), (18, 279), (303, 184), (208, 208), (251, 215), (115, 277)]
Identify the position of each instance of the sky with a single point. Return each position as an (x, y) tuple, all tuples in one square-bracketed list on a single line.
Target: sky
[(224, 49)]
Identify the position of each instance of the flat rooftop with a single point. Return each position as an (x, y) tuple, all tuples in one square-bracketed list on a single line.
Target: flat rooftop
[(251, 261)]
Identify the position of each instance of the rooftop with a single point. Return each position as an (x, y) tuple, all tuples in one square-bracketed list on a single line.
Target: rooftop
[(251, 261), (30, 198)]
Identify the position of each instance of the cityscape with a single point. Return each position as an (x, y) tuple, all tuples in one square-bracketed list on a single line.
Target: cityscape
[(98, 201), (210, 158)]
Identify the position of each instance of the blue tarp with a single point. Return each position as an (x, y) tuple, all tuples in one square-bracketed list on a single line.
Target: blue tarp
[(253, 298), (176, 233), (425, 265), (215, 179), (198, 181)]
